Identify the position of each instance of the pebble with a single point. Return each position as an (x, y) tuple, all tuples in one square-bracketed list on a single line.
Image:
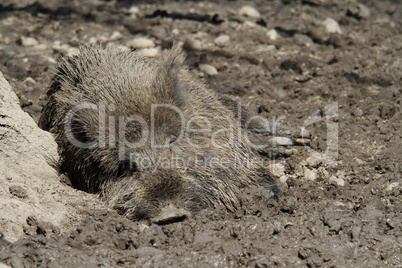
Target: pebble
[(309, 174), (116, 35), (282, 141), (175, 31), (141, 42), (222, 40), (123, 48), (41, 47), (58, 47), (142, 227), (72, 51), (277, 169), (29, 41), (358, 10), (29, 81), (134, 10), (332, 26), (148, 52), (50, 59), (338, 181), (18, 191), (208, 69), (313, 160), (192, 44), (392, 186), (249, 11), (92, 40), (250, 24), (272, 34)]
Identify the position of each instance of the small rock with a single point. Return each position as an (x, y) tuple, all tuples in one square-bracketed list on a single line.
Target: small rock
[(141, 42), (18, 191), (309, 174), (249, 11), (149, 52), (175, 31), (392, 186), (92, 40), (313, 161), (358, 11), (192, 44), (116, 35), (304, 253), (391, 223), (28, 41), (29, 81), (355, 232), (58, 47), (134, 10), (357, 112), (332, 26), (282, 141), (222, 40), (250, 24), (142, 227), (272, 34), (277, 169), (72, 51), (337, 181), (208, 69), (50, 59), (149, 251), (40, 47)]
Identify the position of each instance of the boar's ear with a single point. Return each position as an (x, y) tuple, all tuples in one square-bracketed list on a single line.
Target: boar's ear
[(170, 75), (175, 59)]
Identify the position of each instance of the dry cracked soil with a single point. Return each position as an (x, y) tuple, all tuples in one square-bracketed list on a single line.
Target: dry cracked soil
[(334, 67)]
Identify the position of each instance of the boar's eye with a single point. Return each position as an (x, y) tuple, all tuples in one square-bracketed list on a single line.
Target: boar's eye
[(171, 140)]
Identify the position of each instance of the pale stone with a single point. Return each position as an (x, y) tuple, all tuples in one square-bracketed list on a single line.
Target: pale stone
[(116, 35), (338, 181), (222, 40), (332, 26), (282, 141), (72, 51), (314, 160), (134, 10), (309, 174), (208, 69), (392, 186), (149, 52), (277, 169), (249, 11), (141, 42), (29, 41), (175, 31), (272, 34)]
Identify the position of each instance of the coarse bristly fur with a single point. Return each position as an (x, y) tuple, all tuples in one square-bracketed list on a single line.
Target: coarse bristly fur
[(127, 84)]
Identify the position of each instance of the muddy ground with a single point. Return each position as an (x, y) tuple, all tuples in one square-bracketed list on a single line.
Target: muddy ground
[(341, 199)]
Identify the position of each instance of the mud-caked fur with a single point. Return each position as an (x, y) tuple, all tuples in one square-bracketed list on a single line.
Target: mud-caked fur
[(127, 84)]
